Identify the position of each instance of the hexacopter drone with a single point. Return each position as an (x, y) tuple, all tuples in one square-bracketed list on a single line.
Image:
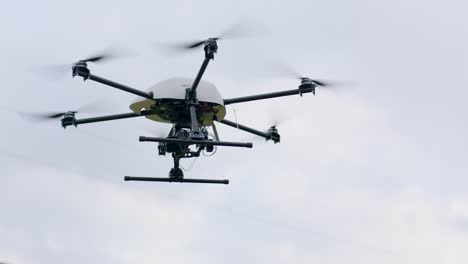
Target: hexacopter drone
[(190, 105)]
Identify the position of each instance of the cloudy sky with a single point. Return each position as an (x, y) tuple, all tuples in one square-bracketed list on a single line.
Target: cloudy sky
[(370, 172)]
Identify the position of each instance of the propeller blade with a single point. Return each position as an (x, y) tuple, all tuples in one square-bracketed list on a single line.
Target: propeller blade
[(241, 29), (321, 83), (56, 115), (92, 107), (235, 31), (109, 53), (56, 71), (334, 85), (285, 70), (279, 117), (96, 58), (40, 117), (193, 45), (96, 106)]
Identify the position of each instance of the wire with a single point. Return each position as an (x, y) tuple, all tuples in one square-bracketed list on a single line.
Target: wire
[(212, 153), (235, 117), (215, 148), (190, 166)]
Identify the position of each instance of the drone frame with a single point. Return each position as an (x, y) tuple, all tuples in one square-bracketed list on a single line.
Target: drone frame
[(177, 140)]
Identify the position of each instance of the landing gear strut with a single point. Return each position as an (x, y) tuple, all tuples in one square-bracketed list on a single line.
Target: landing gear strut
[(176, 172)]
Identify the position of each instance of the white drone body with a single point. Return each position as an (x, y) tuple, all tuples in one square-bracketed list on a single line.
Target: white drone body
[(170, 95)]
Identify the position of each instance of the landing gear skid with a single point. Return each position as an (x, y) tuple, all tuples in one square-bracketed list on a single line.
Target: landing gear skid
[(131, 178), (175, 175)]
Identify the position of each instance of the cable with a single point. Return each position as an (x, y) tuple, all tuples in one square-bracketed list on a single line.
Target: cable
[(190, 166), (235, 117), (215, 148)]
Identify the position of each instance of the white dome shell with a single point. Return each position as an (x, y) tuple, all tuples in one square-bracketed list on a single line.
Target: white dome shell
[(174, 88)]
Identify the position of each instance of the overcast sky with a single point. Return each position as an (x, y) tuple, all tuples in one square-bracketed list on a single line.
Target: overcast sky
[(373, 172)]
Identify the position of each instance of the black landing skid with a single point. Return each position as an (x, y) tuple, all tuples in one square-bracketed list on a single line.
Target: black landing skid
[(178, 143)]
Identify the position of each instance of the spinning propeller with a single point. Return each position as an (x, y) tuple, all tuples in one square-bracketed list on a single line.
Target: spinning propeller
[(97, 58), (290, 72), (93, 107), (317, 82), (235, 31), (61, 69)]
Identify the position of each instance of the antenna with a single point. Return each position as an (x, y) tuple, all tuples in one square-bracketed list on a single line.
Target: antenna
[(235, 118)]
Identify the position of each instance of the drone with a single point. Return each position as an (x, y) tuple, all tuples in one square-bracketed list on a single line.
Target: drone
[(190, 105)]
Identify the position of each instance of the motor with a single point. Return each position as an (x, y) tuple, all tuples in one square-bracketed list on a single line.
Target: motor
[(274, 135), (307, 83), (211, 47), (68, 119), (81, 69)]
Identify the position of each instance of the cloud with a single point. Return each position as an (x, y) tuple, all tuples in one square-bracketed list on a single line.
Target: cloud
[(63, 216), (376, 174)]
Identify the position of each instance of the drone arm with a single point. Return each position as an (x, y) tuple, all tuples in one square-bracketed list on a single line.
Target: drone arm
[(106, 118), (267, 136), (191, 97), (83, 71), (199, 76), (211, 47), (299, 91), (191, 93), (120, 86)]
